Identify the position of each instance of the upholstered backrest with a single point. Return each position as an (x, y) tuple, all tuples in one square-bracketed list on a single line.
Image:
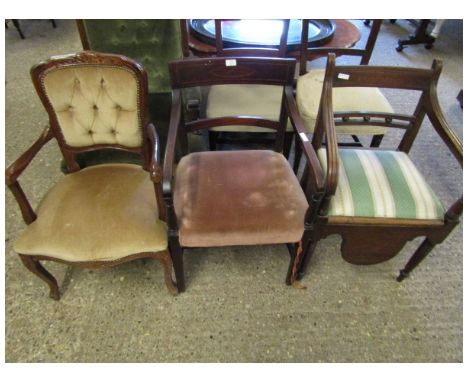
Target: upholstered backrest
[(94, 99), (95, 105), (152, 43)]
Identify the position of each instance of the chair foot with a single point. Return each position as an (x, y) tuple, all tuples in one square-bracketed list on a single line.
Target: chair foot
[(403, 275), (423, 250), (178, 262), (36, 267), (166, 262)]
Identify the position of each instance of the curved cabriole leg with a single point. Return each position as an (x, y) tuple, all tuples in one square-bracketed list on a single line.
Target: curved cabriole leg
[(36, 267), (424, 249), (165, 260)]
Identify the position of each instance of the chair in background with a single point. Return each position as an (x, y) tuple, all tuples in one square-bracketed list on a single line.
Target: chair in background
[(152, 43), (309, 87), (376, 199), (228, 198), (106, 214), (246, 99)]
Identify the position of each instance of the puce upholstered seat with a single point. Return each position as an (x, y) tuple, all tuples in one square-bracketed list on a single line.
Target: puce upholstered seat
[(227, 198), (101, 213)]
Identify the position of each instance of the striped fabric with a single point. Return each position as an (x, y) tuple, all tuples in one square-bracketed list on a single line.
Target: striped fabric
[(378, 183)]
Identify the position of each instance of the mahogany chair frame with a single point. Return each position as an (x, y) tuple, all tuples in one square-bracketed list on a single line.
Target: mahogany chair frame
[(149, 151), (213, 71), (374, 240)]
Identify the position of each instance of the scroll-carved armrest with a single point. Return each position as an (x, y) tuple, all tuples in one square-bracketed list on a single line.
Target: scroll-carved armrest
[(169, 157), (17, 167), (451, 140), (155, 168), (313, 163)]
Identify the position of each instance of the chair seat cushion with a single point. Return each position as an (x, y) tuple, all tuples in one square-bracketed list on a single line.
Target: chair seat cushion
[(308, 93), (381, 183), (249, 197), (242, 100), (101, 213)]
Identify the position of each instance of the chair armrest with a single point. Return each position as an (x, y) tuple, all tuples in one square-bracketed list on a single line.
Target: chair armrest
[(14, 170), (155, 168), (313, 162), (451, 140), (174, 124), (17, 167)]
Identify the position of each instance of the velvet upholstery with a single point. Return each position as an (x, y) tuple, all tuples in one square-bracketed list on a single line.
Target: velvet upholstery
[(249, 100), (225, 198), (309, 89), (153, 43), (95, 105), (100, 213)]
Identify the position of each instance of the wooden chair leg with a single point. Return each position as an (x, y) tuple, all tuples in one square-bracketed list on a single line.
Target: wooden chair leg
[(376, 140), (212, 138), (424, 249), (178, 262), (36, 267), (308, 250), (165, 260)]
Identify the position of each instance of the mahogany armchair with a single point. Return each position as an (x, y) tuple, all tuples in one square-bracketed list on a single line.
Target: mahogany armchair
[(377, 199), (231, 198), (309, 87), (102, 215)]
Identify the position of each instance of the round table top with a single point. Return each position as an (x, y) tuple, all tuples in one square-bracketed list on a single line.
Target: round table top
[(346, 36)]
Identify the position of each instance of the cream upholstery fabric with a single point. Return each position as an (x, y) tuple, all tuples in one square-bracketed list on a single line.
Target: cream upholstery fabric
[(247, 100), (308, 94), (101, 213), (95, 105)]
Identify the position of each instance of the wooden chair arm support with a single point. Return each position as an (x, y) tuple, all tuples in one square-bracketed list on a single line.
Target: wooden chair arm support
[(17, 167), (169, 156), (155, 168), (14, 170), (313, 163)]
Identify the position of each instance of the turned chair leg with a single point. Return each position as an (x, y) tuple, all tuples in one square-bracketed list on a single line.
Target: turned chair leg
[(178, 262), (166, 262), (424, 249), (36, 267)]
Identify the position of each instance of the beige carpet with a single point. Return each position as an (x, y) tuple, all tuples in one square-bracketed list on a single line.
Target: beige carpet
[(236, 307)]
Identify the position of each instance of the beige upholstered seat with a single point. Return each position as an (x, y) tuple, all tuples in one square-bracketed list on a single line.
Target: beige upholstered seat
[(101, 213), (238, 198), (309, 89), (248, 100)]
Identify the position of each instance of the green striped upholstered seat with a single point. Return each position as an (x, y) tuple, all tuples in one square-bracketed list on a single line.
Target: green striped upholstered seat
[(379, 183)]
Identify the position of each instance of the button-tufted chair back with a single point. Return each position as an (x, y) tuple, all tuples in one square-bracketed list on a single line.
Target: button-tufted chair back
[(94, 100)]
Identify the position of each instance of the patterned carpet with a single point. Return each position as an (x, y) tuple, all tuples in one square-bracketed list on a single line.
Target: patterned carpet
[(236, 307)]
